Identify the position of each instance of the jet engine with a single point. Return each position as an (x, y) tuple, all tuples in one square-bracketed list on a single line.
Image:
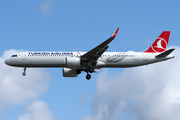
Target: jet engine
[(73, 62), (69, 72)]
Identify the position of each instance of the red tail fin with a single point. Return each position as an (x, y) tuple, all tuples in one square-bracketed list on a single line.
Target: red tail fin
[(160, 44)]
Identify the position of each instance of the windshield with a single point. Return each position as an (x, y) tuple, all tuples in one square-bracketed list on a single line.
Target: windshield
[(14, 56)]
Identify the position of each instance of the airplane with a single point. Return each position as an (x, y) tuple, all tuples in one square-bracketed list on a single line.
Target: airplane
[(73, 63)]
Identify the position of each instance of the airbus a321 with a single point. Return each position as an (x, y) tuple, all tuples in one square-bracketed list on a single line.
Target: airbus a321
[(73, 63)]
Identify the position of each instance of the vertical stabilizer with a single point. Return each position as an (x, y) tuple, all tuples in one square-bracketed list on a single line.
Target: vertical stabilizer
[(160, 45)]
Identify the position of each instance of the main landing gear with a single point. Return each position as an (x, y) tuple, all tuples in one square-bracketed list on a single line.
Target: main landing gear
[(91, 70), (24, 73), (88, 76)]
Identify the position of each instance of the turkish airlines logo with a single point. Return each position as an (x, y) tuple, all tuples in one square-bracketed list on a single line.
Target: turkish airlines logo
[(160, 45)]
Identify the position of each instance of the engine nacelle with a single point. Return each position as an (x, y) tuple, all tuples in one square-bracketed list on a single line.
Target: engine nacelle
[(69, 72), (73, 62)]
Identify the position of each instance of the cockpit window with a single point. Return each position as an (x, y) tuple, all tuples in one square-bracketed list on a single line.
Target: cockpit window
[(14, 56)]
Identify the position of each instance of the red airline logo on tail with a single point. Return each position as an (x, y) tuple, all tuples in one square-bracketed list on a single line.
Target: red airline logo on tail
[(160, 44)]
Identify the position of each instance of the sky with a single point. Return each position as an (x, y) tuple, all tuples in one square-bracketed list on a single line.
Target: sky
[(140, 93)]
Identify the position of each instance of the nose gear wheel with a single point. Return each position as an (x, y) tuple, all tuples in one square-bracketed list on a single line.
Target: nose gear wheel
[(24, 73)]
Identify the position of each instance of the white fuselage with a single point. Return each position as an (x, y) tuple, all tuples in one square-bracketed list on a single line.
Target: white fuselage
[(59, 59)]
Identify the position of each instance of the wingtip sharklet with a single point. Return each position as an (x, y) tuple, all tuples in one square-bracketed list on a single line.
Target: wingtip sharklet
[(115, 33)]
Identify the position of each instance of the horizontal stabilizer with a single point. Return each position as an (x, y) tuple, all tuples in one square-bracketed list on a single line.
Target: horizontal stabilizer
[(164, 54)]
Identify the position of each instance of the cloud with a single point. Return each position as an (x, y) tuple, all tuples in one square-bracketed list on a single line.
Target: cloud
[(143, 93), (16, 89), (37, 111), (46, 8)]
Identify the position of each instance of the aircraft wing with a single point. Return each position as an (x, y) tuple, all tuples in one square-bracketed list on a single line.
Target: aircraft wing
[(95, 53)]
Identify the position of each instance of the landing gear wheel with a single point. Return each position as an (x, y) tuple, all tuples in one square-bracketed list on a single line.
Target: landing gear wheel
[(88, 76), (23, 73), (91, 70)]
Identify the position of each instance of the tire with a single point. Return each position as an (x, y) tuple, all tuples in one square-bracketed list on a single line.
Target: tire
[(88, 76), (91, 70), (23, 73)]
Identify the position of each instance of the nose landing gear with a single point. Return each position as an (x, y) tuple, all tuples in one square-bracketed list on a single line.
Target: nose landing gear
[(24, 73)]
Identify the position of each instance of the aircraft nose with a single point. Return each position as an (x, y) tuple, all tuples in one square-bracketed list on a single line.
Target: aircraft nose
[(7, 61)]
